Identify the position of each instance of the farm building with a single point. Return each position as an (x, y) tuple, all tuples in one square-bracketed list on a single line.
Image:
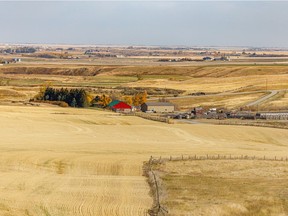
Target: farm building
[(119, 106), (16, 60), (198, 111), (114, 102), (207, 58), (158, 107)]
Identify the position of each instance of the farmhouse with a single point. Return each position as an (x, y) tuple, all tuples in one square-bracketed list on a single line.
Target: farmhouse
[(114, 102), (119, 106), (158, 107)]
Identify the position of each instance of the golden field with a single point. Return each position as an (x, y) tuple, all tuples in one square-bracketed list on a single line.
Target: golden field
[(231, 101), (279, 102), (64, 161), (225, 187)]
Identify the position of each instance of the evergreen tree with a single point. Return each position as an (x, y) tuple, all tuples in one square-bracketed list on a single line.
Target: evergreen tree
[(73, 103)]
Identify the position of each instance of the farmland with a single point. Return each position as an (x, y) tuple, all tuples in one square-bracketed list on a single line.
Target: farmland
[(65, 161), (230, 101), (249, 81), (224, 187)]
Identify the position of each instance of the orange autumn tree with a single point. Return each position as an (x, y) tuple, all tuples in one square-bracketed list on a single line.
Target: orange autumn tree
[(89, 98), (139, 98), (128, 100), (105, 100), (143, 97)]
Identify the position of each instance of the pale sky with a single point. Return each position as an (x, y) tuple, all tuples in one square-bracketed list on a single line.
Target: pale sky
[(194, 23)]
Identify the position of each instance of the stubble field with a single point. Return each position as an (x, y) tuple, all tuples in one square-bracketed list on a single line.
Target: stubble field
[(61, 161)]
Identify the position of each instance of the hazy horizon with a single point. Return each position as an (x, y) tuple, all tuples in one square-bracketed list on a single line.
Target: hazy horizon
[(199, 24)]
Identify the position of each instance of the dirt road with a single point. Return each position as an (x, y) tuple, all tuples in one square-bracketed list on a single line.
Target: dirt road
[(263, 99)]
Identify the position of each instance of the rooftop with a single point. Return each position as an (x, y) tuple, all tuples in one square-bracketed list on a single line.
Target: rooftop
[(159, 104)]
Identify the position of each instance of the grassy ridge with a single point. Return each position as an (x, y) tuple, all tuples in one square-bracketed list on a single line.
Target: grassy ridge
[(192, 71)]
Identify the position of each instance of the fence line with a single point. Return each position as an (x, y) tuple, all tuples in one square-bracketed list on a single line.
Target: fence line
[(153, 117), (252, 123), (150, 117), (159, 160), (157, 209)]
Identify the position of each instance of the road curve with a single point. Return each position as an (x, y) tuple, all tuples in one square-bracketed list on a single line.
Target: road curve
[(261, 100)]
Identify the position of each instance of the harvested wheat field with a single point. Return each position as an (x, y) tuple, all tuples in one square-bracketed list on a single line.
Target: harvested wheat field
[(65, 161)]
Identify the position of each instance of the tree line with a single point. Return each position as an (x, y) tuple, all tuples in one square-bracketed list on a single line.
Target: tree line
[(73, 97), (19, 50), (80, 98)]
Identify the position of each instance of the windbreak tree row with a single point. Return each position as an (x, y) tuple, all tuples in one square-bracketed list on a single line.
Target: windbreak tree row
[(73, 97)]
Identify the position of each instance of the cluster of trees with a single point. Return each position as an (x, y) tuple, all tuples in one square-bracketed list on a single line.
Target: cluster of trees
[(80, 98), (73, 97), (137, 99), (102, 100)]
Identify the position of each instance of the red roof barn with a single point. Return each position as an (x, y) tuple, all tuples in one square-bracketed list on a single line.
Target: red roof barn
[(121, 107)]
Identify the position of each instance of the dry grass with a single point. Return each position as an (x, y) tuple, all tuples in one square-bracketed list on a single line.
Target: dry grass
[(260, 123), (218, 188), (226, 101), (278, 103), (189, 74), (219, 84), (206, 78), (11, 94)]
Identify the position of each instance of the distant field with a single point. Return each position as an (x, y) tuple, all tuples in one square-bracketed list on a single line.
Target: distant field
[(222, 101), (277, 103), (225, 187), (193, 78), (218, 84), (78, 81), (192, 71), (246, 78)]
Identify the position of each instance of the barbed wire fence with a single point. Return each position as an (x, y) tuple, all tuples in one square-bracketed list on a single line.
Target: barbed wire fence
[(160, 159), (154, 181)]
